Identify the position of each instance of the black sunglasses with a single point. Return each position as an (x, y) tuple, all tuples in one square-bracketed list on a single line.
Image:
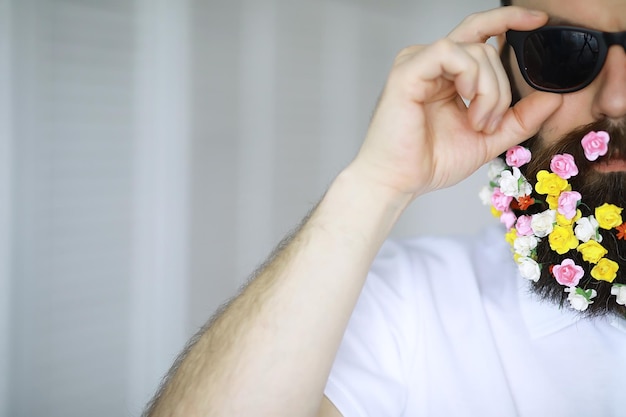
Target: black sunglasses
[(562, 59)]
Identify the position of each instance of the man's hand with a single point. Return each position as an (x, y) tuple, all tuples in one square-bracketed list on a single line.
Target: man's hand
[(422, 136), (271, 350)]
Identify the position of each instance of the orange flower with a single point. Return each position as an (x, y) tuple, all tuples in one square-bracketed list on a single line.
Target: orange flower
[(621, 231), (525, 201)]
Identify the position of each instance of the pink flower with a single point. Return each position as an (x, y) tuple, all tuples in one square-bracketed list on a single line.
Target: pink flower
[(523, 226), (517, 156), (568, 201), (564, 166), (508, 218), (595, 144), (568, 273), (500, 201)]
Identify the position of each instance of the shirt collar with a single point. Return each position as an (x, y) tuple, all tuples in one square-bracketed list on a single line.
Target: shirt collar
[(543, 318)]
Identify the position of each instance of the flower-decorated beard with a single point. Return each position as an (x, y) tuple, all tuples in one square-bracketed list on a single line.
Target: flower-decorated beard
[(562, 207)]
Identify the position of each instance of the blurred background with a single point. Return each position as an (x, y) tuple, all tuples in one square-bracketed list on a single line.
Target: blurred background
[(152, 153)]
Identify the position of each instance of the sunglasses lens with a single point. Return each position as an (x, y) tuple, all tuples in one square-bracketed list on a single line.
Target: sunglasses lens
[(561, 59)]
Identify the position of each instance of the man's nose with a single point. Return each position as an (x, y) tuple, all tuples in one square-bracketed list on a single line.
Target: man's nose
[(610, 97)]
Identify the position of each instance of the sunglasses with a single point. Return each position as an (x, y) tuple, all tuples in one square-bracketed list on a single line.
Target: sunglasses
[(562, 59)]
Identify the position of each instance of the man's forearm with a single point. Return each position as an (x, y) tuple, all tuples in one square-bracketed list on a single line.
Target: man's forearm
[(286, 325)]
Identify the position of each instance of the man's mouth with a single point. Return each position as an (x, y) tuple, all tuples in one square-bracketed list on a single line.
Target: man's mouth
[(611, 165)]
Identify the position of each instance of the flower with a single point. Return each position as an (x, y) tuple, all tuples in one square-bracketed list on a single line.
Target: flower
[(605, 270), (543, 223), (595, 144), (525, 201), (500, 201), (580, 299), (550, 183), (564, 166), (568, 273), (619, 290), (608, 216), (529, 268), (517, 156), (562, 239), (513, 184), (587, 228), (523, 225), (592, 251), (495, 168), (508, 218), (568, 201), (621, 231), (485, 195), (525, 245)]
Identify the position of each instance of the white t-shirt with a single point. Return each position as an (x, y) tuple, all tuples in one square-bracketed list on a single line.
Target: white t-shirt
[(446, 327)]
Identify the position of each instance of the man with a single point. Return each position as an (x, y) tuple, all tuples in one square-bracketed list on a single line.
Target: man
[(440, 326)]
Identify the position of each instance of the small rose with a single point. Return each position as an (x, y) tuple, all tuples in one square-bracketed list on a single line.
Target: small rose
[(495, 168), (564, 166), (568, 273), (605, 270), (517, 156), (587, 228), (485, 195), (592, 251), (529, 269), (562, 239), (525, 245), (508, 218), (580, 299), (595, 144), (608, 216), (513, 184), (568, 201), (523, 225), (500, 201), (619, 291), (550, 183), (543, 223)]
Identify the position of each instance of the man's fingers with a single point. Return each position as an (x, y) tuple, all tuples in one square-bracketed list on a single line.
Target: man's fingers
[(479, 27), (524, 120)]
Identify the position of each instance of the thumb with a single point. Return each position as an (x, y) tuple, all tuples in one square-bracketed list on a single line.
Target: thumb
[(524, 119)]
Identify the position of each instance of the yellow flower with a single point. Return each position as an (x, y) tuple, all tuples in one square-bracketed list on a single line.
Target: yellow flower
[(609, 216), (605, 270), (592, 251), (562, 239), (553, 201), (550, 183), (510, 236), (495, 212), (561, 220)]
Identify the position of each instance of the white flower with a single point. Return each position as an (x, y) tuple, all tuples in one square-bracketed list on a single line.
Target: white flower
[(495, 168), (524, 245), (529, 269), (580, 299), (485, 195), (587, 229), (510, 182), (619, 290), (543, 223)]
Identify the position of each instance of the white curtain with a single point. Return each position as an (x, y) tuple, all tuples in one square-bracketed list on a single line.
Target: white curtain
[(152, 152)]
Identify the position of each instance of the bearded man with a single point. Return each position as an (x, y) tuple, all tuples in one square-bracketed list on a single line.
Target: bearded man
[(339, 322)]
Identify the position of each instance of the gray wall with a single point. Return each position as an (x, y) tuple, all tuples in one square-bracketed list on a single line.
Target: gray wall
[(154, 152), (283, 90)]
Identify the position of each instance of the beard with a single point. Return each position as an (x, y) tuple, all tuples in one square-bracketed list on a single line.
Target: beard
[(596, 189)]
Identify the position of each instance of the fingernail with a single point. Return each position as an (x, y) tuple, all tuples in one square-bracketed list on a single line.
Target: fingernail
[(538, 13)]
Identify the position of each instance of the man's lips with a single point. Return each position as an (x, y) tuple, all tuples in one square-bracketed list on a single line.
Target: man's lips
[(611, 165)]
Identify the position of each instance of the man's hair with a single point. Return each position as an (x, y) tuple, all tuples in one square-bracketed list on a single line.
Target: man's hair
[(505, 2)]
